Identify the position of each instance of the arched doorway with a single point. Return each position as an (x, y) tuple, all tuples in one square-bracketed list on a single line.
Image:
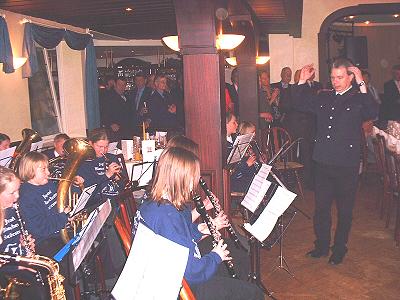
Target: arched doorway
[(323, 35)]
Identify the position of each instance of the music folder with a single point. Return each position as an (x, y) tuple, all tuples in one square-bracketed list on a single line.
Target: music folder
[(145, 267), (239, 148), (83, 199), (142, 173)]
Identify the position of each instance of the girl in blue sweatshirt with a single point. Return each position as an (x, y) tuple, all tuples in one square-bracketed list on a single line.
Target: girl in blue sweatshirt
[(11, 241), (168, 214), (38, 203), (103, 169)]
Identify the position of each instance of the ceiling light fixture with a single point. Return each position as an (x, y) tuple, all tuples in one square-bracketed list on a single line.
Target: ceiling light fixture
[(367, 22), (351, 17), (129, 9), (396, 15), (260, 60), (223, 41)]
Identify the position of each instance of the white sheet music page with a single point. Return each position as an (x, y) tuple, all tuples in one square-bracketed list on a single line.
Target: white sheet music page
[(6, 156), (257, 189), (38, 146), (89, 232), (239, 147), (265, 223), (143, 172), (147, 275), (83, 199)]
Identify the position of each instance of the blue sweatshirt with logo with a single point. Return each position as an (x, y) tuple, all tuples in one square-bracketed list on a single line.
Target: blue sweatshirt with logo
[(94, 172), (165, 220), (11, 234), (38, 204)]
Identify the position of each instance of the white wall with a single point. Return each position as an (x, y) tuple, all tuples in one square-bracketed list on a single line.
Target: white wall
[(296, 52)]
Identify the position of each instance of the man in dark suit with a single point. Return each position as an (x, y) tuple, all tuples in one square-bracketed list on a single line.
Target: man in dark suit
[(140, 96), (58, 150), (161, 110), (391, 99), (233, 90), (119, 117), (340, 114), (285, 97)]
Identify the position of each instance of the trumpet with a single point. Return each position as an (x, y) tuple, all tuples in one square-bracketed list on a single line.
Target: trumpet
[(118, 177)]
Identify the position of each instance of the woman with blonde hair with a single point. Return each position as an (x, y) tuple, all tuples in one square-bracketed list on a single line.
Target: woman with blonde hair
[(168, 214)]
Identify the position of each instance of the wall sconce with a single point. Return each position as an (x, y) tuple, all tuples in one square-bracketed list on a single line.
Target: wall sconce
[(18, 62), (223, 41)]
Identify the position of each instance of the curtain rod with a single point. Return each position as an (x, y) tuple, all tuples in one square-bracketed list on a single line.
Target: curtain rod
[(65, 27)]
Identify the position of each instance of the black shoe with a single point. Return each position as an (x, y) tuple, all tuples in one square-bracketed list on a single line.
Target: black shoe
[(337, 257), (317, 253)]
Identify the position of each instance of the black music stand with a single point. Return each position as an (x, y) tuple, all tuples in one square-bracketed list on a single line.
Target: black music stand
[(239, 148)]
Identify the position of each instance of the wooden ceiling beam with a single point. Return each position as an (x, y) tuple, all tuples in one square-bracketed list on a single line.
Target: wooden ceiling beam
[(294, 12)]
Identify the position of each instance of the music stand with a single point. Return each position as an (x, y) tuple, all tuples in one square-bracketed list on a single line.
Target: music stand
[(239, 148), (6, 156)]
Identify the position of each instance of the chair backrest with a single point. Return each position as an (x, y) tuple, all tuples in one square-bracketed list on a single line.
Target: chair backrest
[(381, 153), (272, 139)]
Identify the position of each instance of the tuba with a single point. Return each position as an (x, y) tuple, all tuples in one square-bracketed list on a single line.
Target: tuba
[(54, 278), (29, 136), (77, 151)]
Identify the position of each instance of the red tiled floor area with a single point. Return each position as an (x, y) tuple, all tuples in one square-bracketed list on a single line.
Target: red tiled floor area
[(370, 270)]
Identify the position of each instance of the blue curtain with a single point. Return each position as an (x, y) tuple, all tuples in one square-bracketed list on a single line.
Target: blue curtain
[(6, 55), (49, 38)]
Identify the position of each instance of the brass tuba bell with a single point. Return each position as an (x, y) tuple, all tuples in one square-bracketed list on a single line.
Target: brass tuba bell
[(77, 151), (29, 136)]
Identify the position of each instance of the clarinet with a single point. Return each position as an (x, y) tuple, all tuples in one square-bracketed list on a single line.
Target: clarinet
[(213, 230), (232, 233), (25, 234), (25, 237)]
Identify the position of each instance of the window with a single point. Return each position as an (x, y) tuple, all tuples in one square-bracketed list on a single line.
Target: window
[(44, 94)]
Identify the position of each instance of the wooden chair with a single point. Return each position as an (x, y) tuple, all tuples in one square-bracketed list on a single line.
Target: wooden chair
[(272, 140), (380, 156)]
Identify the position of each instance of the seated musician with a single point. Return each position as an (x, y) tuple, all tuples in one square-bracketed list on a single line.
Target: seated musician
[(11, 240), (4, 141), (38, 202), (167, 214), (244, 170), (238, 253), (58, 150), (103, 169)]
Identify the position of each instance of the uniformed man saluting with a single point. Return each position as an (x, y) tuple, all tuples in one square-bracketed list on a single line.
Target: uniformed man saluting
[(340, 114)]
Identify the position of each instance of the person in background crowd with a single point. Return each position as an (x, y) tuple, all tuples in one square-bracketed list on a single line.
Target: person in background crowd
[(371, 89), (119, 117), (162, 110), (4, 141), (58, 150), (340, 114), (267, 98), (139, 97), (390, 108), (150, 81), (233, 91)]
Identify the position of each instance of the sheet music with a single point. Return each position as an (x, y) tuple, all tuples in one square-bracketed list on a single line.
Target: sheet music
[(89, 232), (38, 146), (83, 199), (265, 223), (6, 156), (239, 148), (149, 275), (142, 172), (258, 187), (112, 148)]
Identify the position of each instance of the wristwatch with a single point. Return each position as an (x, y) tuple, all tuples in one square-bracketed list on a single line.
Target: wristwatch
[(361, 83)]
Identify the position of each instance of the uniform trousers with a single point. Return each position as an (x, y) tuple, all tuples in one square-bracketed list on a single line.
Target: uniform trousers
[(340, 184)]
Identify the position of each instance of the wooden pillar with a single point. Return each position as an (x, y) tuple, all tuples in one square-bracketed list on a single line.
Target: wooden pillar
[(248, 81), (204, 96)]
